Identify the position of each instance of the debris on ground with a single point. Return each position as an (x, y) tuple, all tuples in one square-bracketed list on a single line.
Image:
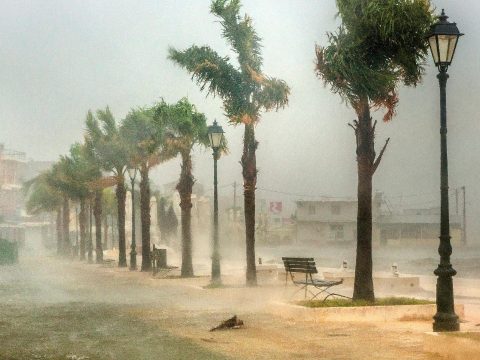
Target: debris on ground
[(232, 323)]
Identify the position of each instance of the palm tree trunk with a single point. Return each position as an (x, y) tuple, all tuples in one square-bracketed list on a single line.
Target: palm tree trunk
[(66, 227), (249, 171), (184, 188), (363, 286), (145, 218), (83, 222), (120, 193), (58, 224), (97, 212), (90, 234), (105, 231)]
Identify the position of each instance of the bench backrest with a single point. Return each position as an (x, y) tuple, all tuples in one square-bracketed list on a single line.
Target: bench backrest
[(300, 265)]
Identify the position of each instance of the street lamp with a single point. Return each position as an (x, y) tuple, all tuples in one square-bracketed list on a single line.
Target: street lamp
[(215, 135), (443, 38), (132, 173)]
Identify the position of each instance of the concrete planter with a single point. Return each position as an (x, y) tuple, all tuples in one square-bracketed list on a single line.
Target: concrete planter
[(382, 282), (360, 313)]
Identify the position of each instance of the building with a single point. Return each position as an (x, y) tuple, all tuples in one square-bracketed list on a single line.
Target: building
[(324, 221), (335, 221), (12, 169), (417, 227)]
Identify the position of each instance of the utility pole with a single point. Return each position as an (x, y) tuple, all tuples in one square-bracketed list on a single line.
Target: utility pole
[(234, 202), (464, 232), (456, 201)]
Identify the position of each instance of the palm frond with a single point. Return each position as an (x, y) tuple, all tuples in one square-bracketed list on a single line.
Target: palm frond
[(273, 94), (378, 45), (209, 70), (239, 32)]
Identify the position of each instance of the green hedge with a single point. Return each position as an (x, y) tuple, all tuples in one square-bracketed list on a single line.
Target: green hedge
[(350, 303), (8, 252)]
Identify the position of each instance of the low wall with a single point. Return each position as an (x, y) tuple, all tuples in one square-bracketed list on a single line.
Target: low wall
[(359, 313), (402, 284)]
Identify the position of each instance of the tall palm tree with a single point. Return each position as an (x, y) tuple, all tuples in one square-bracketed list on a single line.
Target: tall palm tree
[(112, 154), (185, 128), (378, 45), (74, 175), (109, 210), (96, 186), (57, 180), (41, 197), (145, 142), (245, 92)]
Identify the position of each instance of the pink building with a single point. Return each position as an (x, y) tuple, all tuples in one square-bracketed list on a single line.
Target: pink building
[(12, 168)]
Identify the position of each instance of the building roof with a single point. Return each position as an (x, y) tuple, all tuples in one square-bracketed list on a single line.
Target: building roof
[(416, 219), (327, 200)]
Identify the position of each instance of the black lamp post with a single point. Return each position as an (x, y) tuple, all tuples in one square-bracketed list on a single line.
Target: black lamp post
[(132, 173), (215, 135), (443, 38)]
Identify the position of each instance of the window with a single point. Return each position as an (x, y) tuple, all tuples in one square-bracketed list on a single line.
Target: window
[(335, 209), (336, 232)]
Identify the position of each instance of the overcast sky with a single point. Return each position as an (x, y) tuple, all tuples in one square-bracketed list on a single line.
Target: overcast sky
[(59, 58)]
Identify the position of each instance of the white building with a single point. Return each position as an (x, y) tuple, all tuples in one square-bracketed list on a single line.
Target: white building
[(323, 221)]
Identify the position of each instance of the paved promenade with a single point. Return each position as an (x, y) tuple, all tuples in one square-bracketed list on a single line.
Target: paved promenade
[(53, 309)]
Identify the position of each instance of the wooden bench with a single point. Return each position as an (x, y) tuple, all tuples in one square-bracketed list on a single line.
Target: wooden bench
[(307, 266)]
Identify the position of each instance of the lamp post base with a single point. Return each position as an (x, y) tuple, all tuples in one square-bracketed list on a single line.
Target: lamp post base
[(133, 261), (216, 277), (445, 322), (216, 283), (445, 319)]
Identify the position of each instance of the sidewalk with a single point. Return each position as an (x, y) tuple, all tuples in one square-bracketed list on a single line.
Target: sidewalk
[(186, 311), (267, 335)]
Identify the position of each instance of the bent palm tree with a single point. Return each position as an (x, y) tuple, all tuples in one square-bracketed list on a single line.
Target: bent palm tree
[(185, 127), (112, 153), (145, 142), (378, 45), (42, 197), (74, 175), (245, 92)]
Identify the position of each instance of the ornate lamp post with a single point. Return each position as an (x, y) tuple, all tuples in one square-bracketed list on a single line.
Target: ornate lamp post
[(215, 135), (132, 173), (443, 38)]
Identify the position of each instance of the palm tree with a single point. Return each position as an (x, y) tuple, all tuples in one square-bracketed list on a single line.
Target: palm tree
[(96, 186), (57, 181), (109, 210), (245, 92), (185, 127), (41, 197), (74, 175), (378, 45), (112, 153), (145, 142)]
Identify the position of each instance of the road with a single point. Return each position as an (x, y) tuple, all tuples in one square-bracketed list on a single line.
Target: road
[(58, 310)]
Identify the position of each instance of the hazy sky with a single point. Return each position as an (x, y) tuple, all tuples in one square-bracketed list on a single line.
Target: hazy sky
[(59, 58)]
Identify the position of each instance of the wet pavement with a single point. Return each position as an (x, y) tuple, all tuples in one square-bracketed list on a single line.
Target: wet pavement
[(57, 309), (51, 309)]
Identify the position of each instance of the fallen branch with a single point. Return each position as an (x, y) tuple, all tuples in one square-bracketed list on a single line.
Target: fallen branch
[(232, 323), (379, 157)]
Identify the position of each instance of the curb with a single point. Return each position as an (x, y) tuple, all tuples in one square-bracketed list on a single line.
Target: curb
[(360, 313)]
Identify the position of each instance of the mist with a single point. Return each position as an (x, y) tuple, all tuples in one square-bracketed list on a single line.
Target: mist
[(60, 59)]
